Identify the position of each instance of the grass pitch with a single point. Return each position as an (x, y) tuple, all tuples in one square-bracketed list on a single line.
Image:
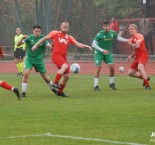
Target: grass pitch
[(125, 115)]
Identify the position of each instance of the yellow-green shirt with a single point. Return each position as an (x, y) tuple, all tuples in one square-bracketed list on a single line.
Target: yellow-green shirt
[(16, 40)]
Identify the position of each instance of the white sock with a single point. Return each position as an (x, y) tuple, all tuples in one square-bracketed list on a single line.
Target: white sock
[(112, 80), (24, 87), (96, 82), (50, 84)]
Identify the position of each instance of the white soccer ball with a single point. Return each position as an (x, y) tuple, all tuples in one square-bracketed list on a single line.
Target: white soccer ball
[(121, 69), (75, 68)]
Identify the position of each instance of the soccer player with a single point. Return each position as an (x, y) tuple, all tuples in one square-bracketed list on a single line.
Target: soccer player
[(140, 54), (61, 41), (102, 45), (7, 86), (34, 59), (19, 52)]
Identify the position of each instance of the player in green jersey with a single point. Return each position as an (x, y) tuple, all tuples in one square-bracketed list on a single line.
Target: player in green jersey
[(102, 45), (34, 59)]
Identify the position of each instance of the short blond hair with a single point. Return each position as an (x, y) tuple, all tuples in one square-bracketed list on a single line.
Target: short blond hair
[(134, 26)]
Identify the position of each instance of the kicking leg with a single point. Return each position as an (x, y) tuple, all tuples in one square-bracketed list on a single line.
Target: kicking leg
[(96, 78)]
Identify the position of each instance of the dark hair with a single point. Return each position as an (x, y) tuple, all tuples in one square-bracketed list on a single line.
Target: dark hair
[(106, 22), (36, 26)]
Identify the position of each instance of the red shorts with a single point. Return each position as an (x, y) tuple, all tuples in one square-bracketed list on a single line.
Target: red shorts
[(141, 60), (59, 60)]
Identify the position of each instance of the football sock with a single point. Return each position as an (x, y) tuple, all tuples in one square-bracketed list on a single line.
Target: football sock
[(62, 86), (50, 84), (18, 67), (146, 82), (96, 82), (112, 80), (57, 78), (21, 67), (24, 87), (6, 86)]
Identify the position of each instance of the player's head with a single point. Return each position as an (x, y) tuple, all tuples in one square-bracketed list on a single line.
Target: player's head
[(133, 29), (64, 27), (106, 25), (36, 30), (18, 31)]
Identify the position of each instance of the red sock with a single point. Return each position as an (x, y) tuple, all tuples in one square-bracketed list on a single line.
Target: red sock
[(140, 77), (57, 78), (62, 87), (146, 82), (6, 86)]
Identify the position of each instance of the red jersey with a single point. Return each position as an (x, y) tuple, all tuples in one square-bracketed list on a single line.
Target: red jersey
[(61, 42), (141, 51)]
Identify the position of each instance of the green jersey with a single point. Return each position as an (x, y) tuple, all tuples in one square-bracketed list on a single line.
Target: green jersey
[(104, 40), (39, 53)]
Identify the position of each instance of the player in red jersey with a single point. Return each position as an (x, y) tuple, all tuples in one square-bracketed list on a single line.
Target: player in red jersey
[(141, 56), (61, 41), (6, 85)]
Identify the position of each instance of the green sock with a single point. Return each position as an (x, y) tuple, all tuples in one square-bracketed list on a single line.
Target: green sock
[(21, 67)]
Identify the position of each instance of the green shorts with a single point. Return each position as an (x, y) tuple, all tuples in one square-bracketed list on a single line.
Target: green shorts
[(38, 65), (99, 58)]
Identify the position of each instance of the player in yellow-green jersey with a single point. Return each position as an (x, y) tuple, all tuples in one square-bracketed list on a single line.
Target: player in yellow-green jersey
[(102, 44), (19, 52)]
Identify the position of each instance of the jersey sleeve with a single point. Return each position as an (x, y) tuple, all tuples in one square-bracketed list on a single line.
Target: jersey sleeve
[(51, 34), (140, 38), (115, 34), (26, 40), (97, 38), (72, 40)]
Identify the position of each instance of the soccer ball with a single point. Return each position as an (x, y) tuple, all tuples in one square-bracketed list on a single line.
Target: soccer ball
[(75, 68), (121, 69)]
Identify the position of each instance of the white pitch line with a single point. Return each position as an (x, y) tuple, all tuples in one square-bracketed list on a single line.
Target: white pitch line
[(70, 137)]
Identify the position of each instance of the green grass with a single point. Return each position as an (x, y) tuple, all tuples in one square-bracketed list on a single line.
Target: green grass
[(125, 115)]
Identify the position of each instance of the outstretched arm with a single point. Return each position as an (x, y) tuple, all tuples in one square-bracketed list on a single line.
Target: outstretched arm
[(121, 39), (21, 41), (94, 45), (80, 45), (130, 56), (39, 42)]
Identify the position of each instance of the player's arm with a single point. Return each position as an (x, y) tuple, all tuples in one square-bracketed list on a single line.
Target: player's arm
[(1, 52), (80, 45), (131, 56), (95, 46), (121, 39), (49, 46), (22, 40)]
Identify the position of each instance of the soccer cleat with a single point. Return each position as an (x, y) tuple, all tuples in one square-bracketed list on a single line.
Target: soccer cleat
[(148, 88), (54, 90), (148, 80), (96, 88), (23, 94), (112, 86), (16, 91), (56, 86), (62, 94)]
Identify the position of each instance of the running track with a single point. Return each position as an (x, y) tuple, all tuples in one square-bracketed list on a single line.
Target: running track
[(86, 68)]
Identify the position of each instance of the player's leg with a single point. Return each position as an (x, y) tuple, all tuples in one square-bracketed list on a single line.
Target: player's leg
[(40, 67), (98, 63), (112, 76), (110, 62), (21, 61), (7, 86), (28, 67), (63, 83), (63, 66), (144, 75)]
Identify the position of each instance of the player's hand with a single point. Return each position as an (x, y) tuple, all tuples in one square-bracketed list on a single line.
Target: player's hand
[(129, 58), (90, 48), (105, 52), (34, 48), (25, 36)]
